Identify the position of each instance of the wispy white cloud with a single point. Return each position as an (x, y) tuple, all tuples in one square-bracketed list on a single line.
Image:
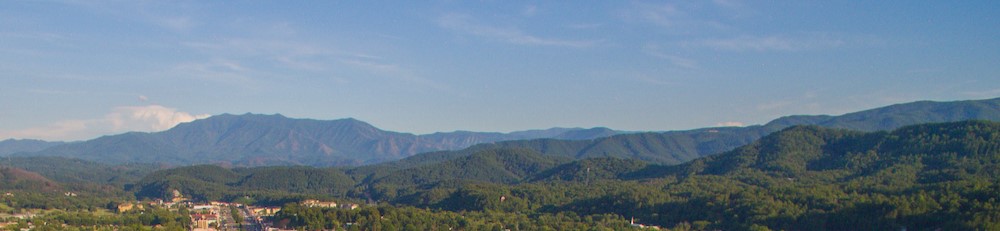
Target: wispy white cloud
[(774, 42), (728, 3), (43, 36), (149, 118), (464, 23), (245, 61), (175, 23), (61, 130), (735, 8), (529, 10), (376, 66), (673, 17), (676, 60), (292, 54), (582, 26), (174, 16), (806, 102), (774, 105), (983, 94), (218, 70), (764, 43), (730, 124), (664, 15), (652, 80)]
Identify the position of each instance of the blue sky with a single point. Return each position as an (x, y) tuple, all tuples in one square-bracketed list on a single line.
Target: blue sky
[(75, 70)]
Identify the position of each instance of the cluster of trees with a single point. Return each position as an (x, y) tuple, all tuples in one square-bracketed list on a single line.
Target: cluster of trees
[(73, 172), (148, 219), (411, 218), (264, 185), (19, 200)]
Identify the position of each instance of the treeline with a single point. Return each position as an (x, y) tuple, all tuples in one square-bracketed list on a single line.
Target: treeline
[(148, 219), (933, 176), (410, 218), (264, 185), (71, 171)]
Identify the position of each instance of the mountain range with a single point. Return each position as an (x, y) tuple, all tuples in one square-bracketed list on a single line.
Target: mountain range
[(256, 140), (805, 177), (11, 146), (675, 147), (259, 140)]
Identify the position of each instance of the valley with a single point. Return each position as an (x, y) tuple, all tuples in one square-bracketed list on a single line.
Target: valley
[(816, 175)]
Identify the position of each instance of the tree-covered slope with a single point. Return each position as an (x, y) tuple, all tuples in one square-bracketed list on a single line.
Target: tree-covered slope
[(68, 170), (899, 115), (591, 169), (675, 147), (921, 177), (496, 165), (211, 182), (20, 179)]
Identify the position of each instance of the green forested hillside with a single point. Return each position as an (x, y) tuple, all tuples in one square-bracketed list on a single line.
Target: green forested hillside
[(266, 184), (497, 165), (802, 177), (68, 170), (895, 116), (19, 179), (921, 177), (675, 147), (22, 189)]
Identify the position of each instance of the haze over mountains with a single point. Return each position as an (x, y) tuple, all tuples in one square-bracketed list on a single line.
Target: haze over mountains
[(10, 146), (258, 140), (254, 140)]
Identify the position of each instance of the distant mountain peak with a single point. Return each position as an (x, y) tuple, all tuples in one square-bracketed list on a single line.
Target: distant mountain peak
[(259, 139)]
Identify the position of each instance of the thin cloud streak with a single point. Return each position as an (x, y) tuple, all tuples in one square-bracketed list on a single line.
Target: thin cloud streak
[(390, 70), (774, 43), (462, 23), (674, 18), (730, 124), (673, 59)]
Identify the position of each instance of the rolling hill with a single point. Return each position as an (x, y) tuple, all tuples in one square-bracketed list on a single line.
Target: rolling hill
[(20, 179), (675, 147)]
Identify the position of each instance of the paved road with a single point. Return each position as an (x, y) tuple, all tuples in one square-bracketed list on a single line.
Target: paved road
[(250, 222)]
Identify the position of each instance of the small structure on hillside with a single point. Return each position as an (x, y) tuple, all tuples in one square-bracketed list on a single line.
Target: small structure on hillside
[(177, 197), (128, 206), (642, 226), (317, 203)]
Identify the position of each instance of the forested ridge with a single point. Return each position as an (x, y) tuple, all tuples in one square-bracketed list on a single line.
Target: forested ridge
[(921, 177)]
